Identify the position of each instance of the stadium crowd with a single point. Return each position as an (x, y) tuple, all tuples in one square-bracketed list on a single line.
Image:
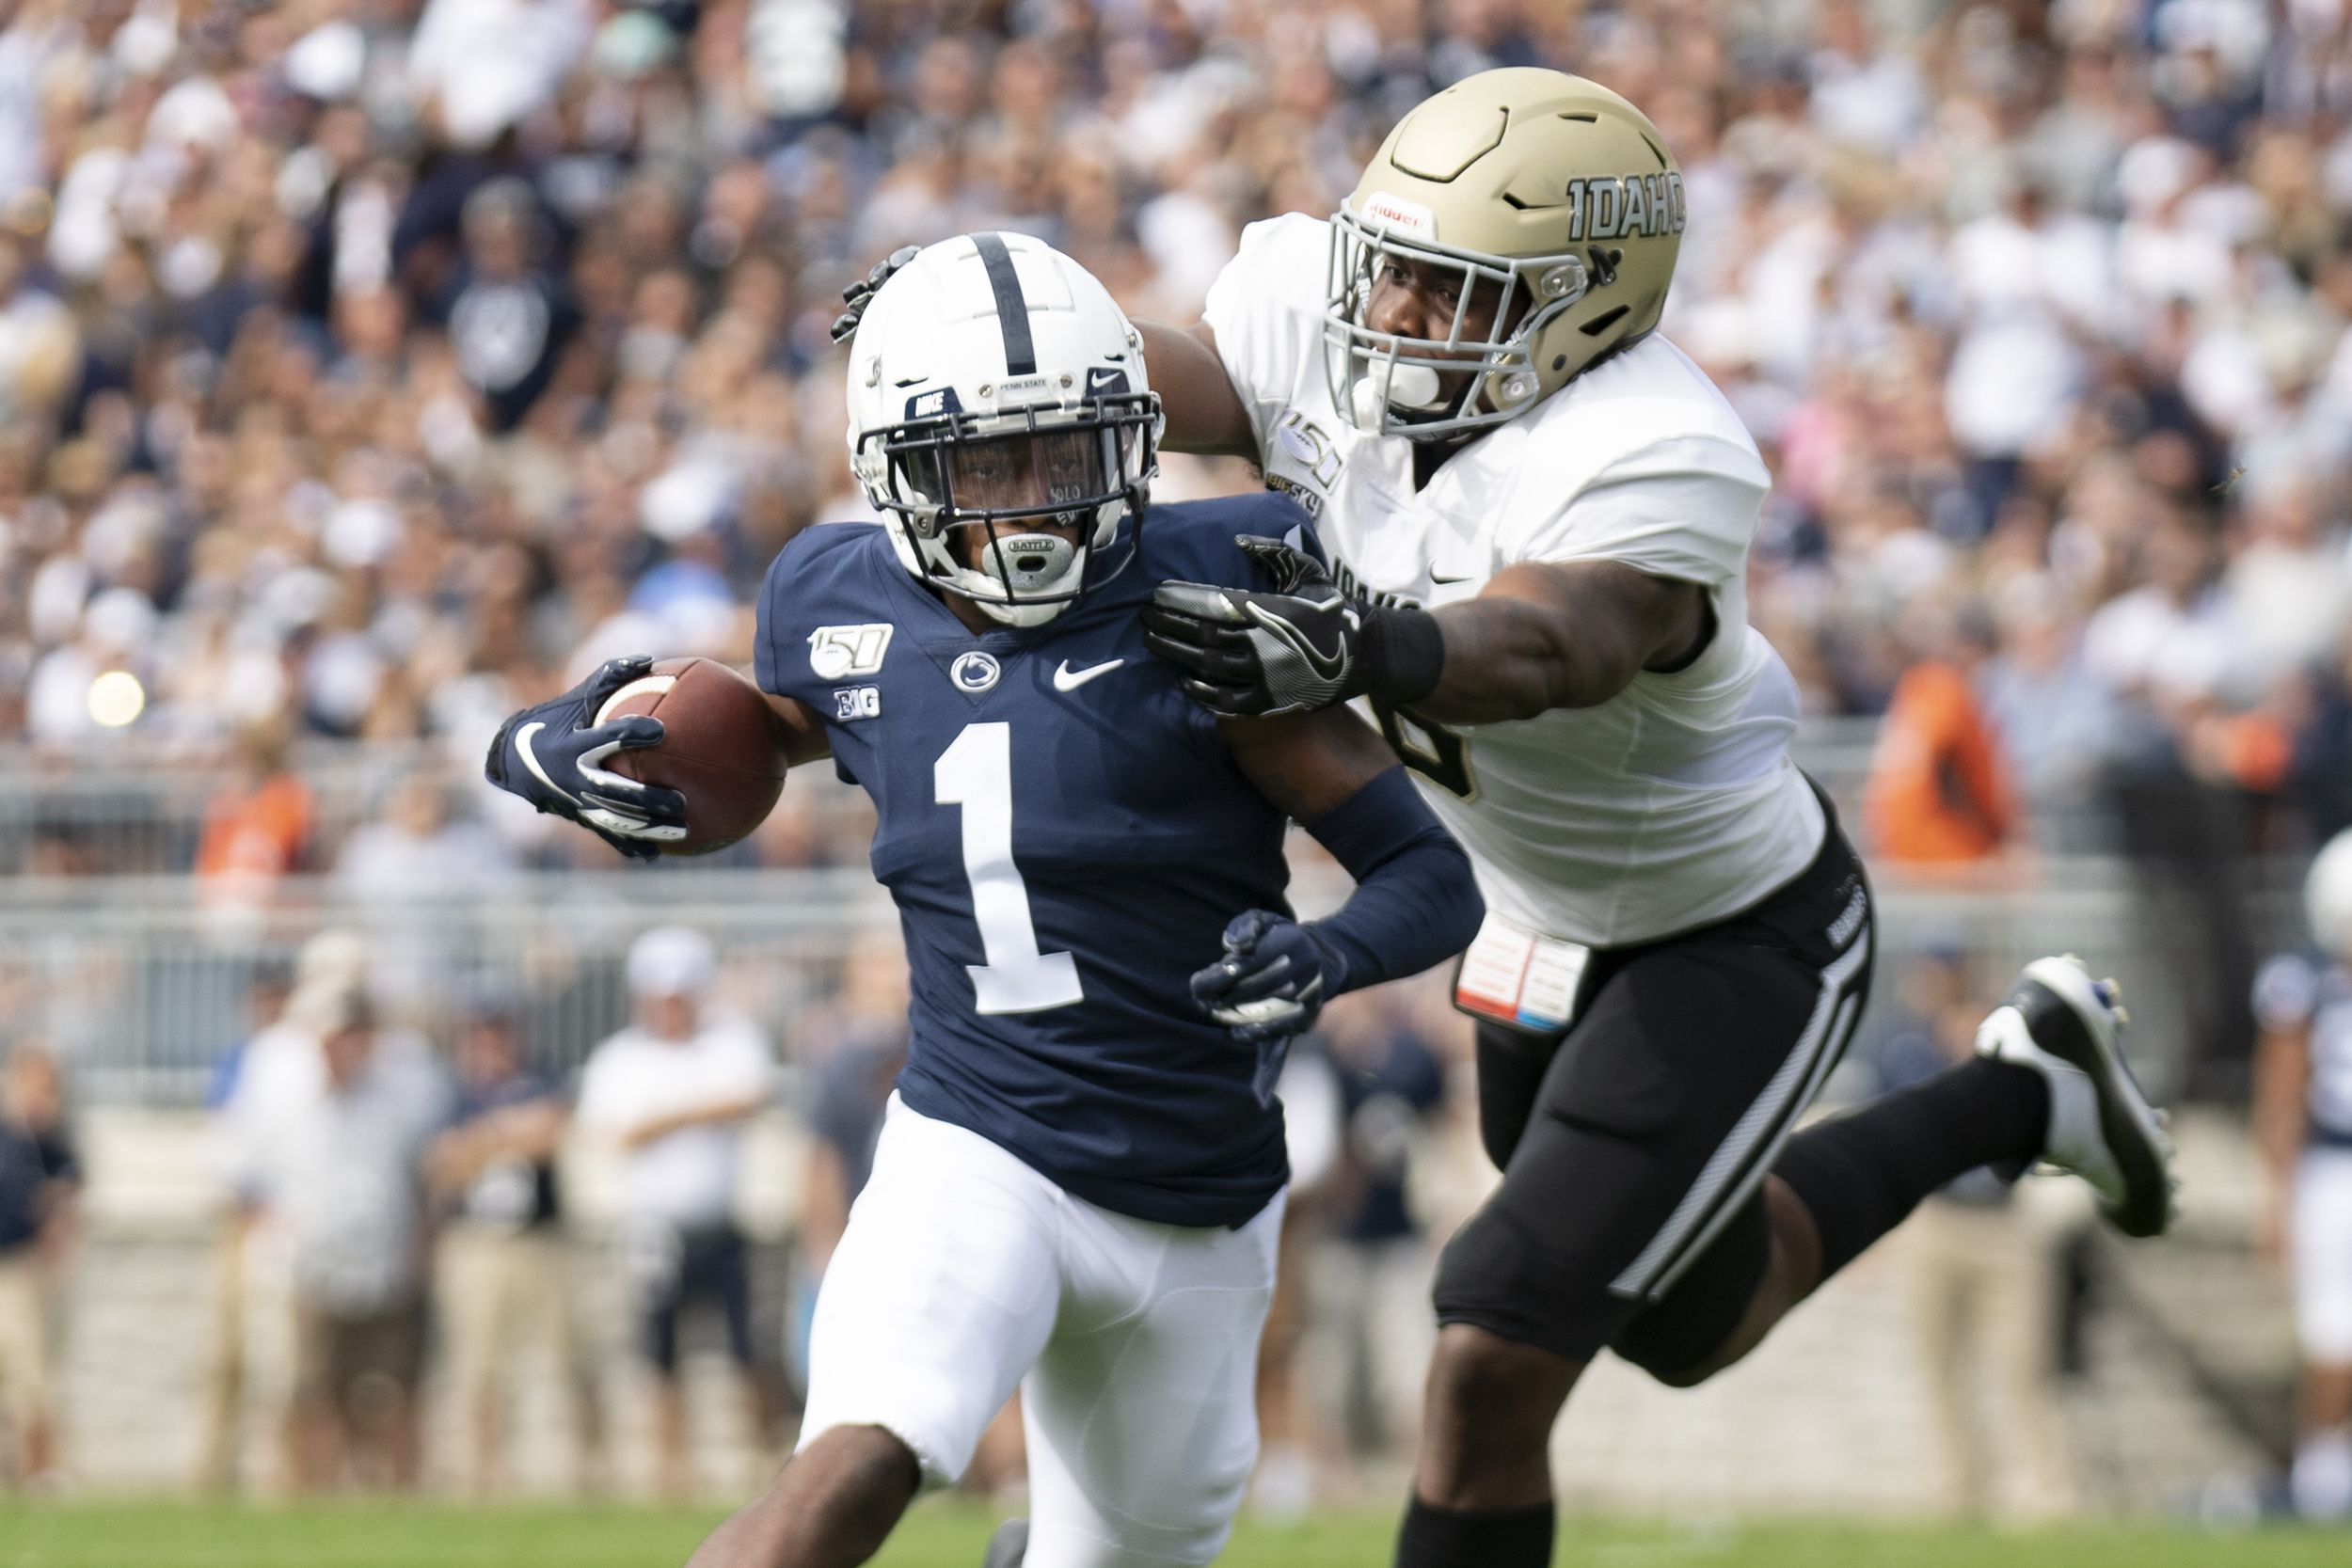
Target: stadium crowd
[(371, 367)]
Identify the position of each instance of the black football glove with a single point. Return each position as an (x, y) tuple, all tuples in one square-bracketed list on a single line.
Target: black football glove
[(1270, 985), (858, 295), (1247, 654), (551, 755)]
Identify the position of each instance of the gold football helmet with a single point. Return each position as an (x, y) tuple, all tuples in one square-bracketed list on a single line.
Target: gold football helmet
[(1544, 188)]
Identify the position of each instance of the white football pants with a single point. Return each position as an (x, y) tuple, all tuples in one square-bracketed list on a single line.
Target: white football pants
[(2322, 1251), (963, 1273)]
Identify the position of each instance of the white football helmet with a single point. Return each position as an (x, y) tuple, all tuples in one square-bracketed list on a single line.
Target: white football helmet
[(992, 380), (2328, 897)]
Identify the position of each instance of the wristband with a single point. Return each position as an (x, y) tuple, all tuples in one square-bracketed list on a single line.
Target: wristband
[(1404, 653)]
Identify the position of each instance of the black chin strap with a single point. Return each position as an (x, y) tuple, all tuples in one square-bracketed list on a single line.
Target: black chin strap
[(1430, 455)]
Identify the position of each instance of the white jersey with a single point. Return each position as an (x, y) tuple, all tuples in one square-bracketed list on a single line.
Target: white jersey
[(1672, 806)]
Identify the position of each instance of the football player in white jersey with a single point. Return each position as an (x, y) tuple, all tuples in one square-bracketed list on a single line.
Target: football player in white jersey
[(2303, 1127), (1538, 511)]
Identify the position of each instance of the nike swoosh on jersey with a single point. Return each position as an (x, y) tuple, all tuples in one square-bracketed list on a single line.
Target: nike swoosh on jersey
[(1066, 679)]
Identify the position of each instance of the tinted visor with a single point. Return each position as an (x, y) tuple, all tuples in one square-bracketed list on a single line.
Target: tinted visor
[(1043, 472), (1052, 469)]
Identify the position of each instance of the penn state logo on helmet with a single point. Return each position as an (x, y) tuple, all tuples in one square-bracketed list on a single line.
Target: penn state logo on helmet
[(1001, 420)]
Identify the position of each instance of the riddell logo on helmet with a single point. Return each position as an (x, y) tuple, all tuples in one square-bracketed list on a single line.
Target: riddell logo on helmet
[(1397, 212), (1612, 208)]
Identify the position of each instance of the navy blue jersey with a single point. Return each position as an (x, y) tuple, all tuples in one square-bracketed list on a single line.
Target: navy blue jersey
[(1066, 838)]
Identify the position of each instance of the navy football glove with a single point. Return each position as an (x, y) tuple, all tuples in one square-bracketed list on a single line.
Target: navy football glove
[(1270, 985), (553, 755), (858, 295)]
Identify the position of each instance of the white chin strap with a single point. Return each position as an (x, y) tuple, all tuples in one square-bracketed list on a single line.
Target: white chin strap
[(1039, 565), (1413, 387)]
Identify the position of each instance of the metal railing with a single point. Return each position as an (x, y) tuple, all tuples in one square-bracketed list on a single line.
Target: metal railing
[(146, 989), (124, 811), (119, 814)]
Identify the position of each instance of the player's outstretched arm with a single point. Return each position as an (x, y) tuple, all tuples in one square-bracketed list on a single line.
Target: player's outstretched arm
[(1548, 635), (1205, 413), (1539, 636), (1415, 904)]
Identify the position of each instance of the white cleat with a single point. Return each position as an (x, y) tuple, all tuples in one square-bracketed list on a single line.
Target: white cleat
[(2066, 1027)]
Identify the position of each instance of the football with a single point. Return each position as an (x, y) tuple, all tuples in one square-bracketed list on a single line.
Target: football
[(721, 748)]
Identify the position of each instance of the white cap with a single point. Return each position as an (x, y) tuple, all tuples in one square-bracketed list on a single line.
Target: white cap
[(671, 961), (359, 532), (329, 1005), (327, 62), (2328, 896), (333, 957)]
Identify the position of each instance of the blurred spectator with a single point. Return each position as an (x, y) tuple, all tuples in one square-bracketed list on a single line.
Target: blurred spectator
[(1983, 1284), (502, 1277), (230, 1376), (1939, 794), (2186, 768), (673, 1092), (480, 67), (2053, 720), (39, 1177), (1374, 1267), (510, 320), (416, 850), (351, 1179), (274, 1114), (256, 829)]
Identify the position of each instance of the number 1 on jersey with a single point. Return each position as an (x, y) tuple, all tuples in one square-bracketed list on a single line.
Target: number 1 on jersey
[(977, 774)]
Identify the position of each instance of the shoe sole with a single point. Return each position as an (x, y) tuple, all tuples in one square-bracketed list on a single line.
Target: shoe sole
[(2127, 1121)]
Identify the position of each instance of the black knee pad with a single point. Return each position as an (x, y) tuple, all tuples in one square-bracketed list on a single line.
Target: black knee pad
[(1505, 1277), (1680, 1331)]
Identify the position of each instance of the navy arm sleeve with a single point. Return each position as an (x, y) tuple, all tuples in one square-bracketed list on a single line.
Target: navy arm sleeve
[(1415, 904)]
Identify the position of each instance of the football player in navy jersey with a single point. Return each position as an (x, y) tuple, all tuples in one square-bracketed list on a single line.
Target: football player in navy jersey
[(2303, 1130), (1079, 1181)]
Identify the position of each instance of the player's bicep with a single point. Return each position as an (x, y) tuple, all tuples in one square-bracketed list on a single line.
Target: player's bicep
[(804, 737), (1205, 413), (1616, 615), (1306, 764)]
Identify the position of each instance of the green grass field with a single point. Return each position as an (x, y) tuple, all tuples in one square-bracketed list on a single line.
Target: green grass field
[(164, 1535)]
